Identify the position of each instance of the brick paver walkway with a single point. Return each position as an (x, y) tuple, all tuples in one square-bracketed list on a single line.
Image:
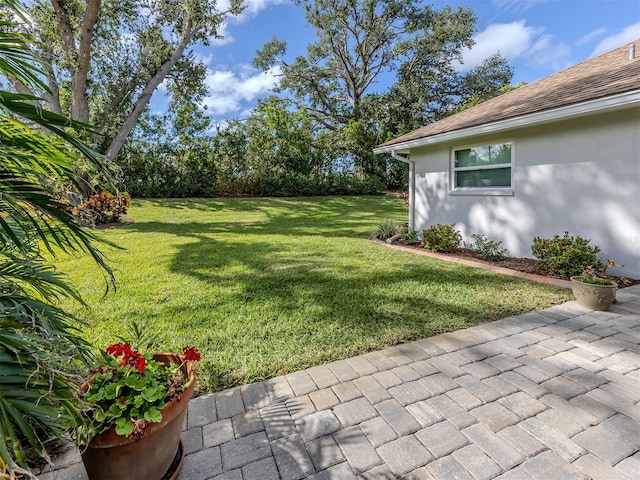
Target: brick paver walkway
[(547, 395)]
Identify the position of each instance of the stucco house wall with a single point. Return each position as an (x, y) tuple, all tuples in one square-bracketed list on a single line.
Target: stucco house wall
[(581, 175)]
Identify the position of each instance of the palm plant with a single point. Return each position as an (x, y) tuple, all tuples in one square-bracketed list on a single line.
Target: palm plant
[(38, 340)]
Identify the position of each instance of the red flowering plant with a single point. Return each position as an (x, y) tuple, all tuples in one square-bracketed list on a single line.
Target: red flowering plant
[(128, 391), (594, 276)]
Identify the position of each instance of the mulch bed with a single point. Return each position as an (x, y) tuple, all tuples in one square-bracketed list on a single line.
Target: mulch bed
[(526, 265)]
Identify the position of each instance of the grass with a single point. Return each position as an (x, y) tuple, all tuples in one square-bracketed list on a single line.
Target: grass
[(268, 286)]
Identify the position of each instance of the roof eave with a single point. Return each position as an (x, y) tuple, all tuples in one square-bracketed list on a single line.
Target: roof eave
[(600, 105)]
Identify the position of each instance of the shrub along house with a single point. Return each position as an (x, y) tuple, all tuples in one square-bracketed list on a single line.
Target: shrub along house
[(560, 154)]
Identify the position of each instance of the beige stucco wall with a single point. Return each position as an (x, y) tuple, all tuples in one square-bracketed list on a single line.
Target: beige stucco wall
[(581, 175)]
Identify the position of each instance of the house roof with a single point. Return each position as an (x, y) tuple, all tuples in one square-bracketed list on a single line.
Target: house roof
[(606, 75)]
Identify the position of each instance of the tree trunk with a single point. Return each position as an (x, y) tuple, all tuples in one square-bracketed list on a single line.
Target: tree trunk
[(21, 87), (63, 22), (53, 99), (80, 106)]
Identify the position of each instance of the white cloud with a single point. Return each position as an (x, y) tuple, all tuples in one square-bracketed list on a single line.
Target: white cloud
[(247, 112), (510, 39), (516, 40), (517, 6), (228, 90), (629, 34), (252, 8), (223, 35), (162, 87), (592, 36), (202, 58), (544, 52)]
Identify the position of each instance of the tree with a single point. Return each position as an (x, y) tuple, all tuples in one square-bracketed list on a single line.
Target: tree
[(358, 40), (169, 155), (281, 139), (38, 340), (103, 59), (483, 95), (429, 88)]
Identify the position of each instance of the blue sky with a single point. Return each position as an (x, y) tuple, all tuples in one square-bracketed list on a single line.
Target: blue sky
[(538, 37)]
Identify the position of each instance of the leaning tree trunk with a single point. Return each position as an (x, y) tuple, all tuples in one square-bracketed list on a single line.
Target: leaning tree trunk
[(132, 119)]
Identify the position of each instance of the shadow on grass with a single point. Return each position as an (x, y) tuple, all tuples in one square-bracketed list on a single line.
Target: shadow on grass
[(309, 311), (282, 303)]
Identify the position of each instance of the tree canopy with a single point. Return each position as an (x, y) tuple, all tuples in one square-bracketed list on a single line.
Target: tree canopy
[(103, 59), (359, 41), (376, 69)]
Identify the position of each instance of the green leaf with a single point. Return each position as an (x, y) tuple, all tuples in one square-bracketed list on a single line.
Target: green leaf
[(153, 415), (124, 427), (114, 409), (136, 382), (111, 391), (151, 394)]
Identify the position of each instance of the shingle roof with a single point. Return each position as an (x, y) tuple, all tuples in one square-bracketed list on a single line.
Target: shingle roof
[(605, 75)]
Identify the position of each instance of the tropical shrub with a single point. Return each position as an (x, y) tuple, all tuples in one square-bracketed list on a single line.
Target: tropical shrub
[(489, 249), (386, 229), (105, 207), (166, 171), (441, 238), (565, 256)]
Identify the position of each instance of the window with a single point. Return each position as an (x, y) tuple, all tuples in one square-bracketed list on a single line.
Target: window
[(482, 169)]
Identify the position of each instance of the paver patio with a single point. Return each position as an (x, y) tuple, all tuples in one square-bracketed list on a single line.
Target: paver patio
[(550, 394)]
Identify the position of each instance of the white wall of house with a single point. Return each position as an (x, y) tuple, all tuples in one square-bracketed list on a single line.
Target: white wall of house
[(580, 175)]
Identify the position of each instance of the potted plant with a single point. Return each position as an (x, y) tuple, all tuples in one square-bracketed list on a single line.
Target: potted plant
[(134, 408), (593, 290)]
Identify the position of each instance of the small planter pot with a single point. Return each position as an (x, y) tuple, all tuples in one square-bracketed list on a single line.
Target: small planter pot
[(157, 455), (593, 297)]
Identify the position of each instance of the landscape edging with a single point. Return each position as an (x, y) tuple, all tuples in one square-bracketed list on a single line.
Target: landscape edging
[(556, 282)]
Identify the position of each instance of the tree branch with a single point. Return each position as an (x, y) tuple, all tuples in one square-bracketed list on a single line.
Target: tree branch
[(145, 96), (63, 22), (53, 98)]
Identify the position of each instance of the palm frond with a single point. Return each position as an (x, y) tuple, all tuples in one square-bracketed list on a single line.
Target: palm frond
[(16, 60), (36, 398), (29, 161), (39, 342)]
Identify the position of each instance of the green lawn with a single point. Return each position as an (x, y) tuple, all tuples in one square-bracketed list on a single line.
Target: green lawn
[(268, 286)]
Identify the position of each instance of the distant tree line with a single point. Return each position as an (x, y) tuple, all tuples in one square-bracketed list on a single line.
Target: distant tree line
[(103, 59)]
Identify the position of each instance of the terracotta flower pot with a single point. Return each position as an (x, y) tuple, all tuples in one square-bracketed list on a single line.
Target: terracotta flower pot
[(593, 297), (112, 456)]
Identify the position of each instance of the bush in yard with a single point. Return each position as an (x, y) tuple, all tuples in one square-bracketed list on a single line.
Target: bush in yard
[(441, 238), (409, 235), (293, 184), (565, 256), (106, 207), (489, 249), (386, 229)]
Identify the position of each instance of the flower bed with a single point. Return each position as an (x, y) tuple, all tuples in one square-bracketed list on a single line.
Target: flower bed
[(521, 264)]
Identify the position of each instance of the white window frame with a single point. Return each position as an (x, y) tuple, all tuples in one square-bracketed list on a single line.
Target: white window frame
[(455, 190)]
